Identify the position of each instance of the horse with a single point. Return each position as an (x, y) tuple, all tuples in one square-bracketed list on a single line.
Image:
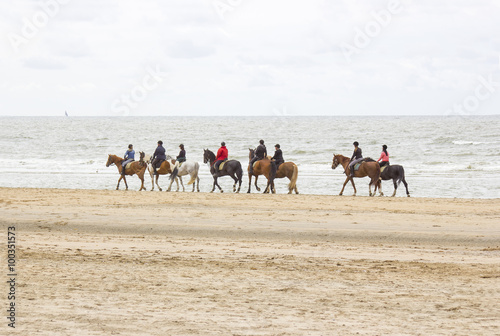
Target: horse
[(367, 168), (231, 168), (264, 167), (136, 167), (166, 167), (396, 173), (187, 167)]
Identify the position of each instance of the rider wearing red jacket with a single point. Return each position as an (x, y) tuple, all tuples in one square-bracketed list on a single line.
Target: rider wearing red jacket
[(222, 155)]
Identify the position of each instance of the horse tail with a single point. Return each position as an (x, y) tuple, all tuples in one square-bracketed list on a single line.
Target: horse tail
[(175, 171), (239, 172), (195, 175), (293, 179), (401, 174)]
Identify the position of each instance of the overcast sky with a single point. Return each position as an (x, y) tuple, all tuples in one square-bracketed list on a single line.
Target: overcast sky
[(249, 57)]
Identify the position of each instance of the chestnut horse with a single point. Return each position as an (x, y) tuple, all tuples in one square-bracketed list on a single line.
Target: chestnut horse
[(264, 167), (367, 168), (136, 167)]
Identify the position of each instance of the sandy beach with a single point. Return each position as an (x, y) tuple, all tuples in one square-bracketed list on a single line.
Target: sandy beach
[(106, 262)]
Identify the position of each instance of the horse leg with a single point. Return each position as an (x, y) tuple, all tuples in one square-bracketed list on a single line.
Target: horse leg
[(256, 186), (170, 185), (249, 183), (394, 180), (198, 184), (353, 186), (118, 185), (182, 184), (233, 176), (346, 180), (216, 184), (124, 180), (406, 186), (141, 177), (379, 183), (157, 177), (152, 179)]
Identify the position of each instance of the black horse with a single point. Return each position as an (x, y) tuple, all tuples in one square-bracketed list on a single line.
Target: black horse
[(231, 168), (396, 173)]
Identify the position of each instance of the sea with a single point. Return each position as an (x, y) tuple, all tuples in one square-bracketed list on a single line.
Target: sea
[(443, 156)]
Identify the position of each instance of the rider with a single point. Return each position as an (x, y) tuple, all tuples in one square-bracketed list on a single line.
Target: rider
[(260, 153), (356, 157), (182, 154), (159, 156), (384, 156), (128, 157), (278, 156), (222, 155)]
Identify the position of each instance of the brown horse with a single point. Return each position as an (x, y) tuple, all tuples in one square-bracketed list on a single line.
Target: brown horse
[(136, 167), (370, 169), (264, 167)]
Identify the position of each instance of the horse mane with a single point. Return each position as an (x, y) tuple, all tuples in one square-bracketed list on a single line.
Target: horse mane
[(211, 154)]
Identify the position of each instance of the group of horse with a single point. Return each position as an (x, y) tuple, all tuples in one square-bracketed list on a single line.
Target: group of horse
[(265, 167)]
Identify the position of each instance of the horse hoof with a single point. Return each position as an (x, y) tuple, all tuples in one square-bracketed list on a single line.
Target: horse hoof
[(222, 191)]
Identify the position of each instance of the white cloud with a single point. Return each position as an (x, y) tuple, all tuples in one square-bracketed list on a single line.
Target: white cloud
[(260, 56)]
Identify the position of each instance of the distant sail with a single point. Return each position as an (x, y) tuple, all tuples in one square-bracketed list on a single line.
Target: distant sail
[(66, 113)]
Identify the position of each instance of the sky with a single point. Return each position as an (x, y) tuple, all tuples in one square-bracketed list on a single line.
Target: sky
[(249, 57)]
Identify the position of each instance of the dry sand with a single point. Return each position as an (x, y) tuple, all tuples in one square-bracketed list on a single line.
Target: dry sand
[(98, 262)]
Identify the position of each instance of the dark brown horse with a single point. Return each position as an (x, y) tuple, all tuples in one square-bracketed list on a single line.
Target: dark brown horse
[(370, 169), (136, 167), (264, 167), (396, 173)]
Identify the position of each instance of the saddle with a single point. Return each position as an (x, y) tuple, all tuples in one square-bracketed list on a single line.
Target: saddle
[(367, 159), (221, 166), (158, 164), (127, 166), (383, 168)]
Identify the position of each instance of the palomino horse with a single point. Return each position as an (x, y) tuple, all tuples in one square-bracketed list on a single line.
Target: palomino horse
[(396, 173), (187, 167), (136, 167), (367, 168), (231, 168), (264, 167)]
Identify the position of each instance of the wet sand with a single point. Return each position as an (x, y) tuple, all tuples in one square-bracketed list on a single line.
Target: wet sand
[(98, 262)]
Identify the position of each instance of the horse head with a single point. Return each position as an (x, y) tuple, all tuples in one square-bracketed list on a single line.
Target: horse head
[(110, 160), (206, 155), (335, 162), (251, 153)]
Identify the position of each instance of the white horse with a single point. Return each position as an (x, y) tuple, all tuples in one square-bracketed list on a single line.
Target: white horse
[(187, 167)]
